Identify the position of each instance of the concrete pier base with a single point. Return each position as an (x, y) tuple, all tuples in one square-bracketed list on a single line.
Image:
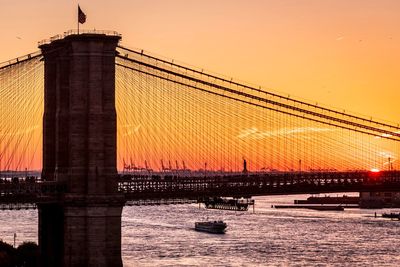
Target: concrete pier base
[(84, 231), (92, 232), (51, 234)]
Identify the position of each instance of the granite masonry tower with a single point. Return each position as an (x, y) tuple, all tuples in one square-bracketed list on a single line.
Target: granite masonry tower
[(83, 228)]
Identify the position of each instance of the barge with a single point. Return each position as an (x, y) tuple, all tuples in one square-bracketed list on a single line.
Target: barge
[(312, 207), (391, 215), (343, 200)]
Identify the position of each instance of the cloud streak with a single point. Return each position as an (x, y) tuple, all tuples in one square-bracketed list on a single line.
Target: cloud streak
[(131, 129), (254, 133)]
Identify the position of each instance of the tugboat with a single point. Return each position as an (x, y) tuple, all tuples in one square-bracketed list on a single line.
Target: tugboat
[(214, 227)]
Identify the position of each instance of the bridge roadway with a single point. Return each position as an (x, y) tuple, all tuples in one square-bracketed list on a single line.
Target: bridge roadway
[(180, 186)]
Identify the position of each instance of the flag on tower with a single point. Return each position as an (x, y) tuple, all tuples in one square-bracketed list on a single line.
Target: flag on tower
[(81, 15)]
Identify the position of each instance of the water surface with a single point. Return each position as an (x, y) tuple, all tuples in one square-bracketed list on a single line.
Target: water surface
[(164, 236)]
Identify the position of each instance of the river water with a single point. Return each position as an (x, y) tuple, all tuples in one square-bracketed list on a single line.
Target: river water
[(164, 236)]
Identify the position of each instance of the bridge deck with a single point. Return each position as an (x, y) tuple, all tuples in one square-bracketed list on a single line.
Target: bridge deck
[(150, 187), (146, 187)]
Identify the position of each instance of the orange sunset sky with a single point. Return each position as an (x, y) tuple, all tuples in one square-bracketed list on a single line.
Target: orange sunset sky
[(345, 54)]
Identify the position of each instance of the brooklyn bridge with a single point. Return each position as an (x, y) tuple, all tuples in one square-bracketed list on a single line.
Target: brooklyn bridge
[(87, 124)]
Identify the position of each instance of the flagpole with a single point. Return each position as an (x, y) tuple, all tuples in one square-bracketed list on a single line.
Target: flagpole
[(78, 19)]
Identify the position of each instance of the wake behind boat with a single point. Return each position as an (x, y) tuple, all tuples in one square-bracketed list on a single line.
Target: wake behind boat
[(214, 227)]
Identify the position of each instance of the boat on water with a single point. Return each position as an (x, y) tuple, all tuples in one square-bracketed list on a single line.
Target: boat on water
[(391, 215), (236, 204), (214, 227), (323, 208), (312, 207)]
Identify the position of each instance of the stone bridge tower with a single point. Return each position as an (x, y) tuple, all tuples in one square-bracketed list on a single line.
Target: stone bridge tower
[(79, 149)]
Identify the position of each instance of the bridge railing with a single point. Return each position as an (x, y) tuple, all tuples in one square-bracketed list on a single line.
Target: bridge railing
[(76, 32), (19, 60), (29, 191), (245, 185)]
